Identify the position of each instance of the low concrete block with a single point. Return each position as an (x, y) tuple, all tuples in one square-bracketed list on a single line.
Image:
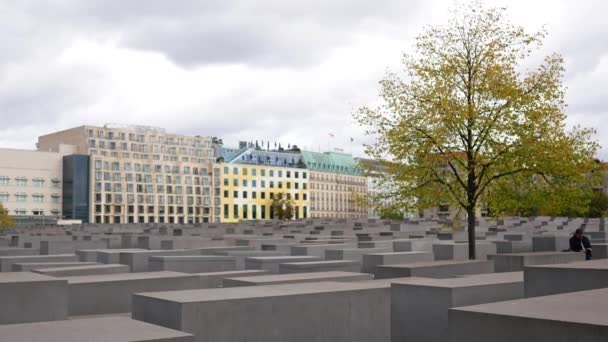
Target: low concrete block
[(242, 255), (353, 254), (317, 250), (25, 266), (419, 306), (559, 318), (550, 243), (192, 263), (320, 266), (71, 271), (28, 297), (518, 261), (271, 263), (562, 278), (435, 269), (111, 293), (6, 262), (371, 261), (320, 312), (275, 279), (216, 279), (138, 260), (15, 251), (115, 329)]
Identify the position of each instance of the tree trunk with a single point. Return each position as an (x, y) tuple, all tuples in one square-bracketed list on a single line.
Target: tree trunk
[(471, 232)]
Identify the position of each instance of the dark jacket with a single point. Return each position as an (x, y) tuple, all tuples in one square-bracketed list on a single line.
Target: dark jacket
[(575, 244)]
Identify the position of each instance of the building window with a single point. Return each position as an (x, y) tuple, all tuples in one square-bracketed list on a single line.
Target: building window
[(38, 198), (4, 197), (235, 170), (244, 194), (20, 197), (235, 211), (226, 170), (244, 183), (4, 180), (37, 212), (226, 214), (235, 182), (254, 172), (263, 172), (55, 198), (55, 183), (20, 212), (21, 181), (38, 183), (225, 193)]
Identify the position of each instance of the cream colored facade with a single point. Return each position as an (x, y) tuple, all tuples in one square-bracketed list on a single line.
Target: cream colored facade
[(141, 174), (334, 195), (248, 191), (31, 182)]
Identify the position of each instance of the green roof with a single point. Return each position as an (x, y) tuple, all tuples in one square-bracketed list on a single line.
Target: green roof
[(331, 162)]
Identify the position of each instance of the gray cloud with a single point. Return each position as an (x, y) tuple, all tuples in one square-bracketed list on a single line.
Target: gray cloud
[(273, 70)]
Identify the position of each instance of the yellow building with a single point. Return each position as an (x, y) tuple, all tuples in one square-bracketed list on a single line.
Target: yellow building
[(248, 191)]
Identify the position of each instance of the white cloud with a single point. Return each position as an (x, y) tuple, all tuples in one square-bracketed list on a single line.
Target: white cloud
[(276, 70)]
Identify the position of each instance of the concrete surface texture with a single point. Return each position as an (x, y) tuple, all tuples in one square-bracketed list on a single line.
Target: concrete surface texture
[(562, 278), (115, 329), (296, 278), (355, 312), (580, 316), (419, 306), (28, 297)]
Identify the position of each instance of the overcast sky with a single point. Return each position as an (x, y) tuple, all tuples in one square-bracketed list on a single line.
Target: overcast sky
[(288, 71)]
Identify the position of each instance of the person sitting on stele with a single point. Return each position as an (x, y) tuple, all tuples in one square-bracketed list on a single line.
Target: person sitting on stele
[(580, 243)]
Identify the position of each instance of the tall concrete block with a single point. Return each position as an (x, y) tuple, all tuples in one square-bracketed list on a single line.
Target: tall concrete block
[(419, 306), (27, 297), (111, 293)]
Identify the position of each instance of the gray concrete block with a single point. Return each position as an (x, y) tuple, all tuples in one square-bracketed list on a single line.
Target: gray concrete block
[(518, 261), (320, 312), (15, 251), (352, 254), (192, 263), (509, 247), (271, 263), (138, 260), (435, 269), (563, 278), (320, 266), (451, 251), (71, 271), (242, 255), (559, 318), (27, 297), (275, 279), (419, 306), (550, 243), (371, 261), (115, 329), (25, 266), (317, 250), (6, 262), (111, 293), (216, 279)]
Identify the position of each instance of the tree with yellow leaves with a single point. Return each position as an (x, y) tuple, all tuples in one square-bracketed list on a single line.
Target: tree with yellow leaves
[(5, 219), (468, 118)]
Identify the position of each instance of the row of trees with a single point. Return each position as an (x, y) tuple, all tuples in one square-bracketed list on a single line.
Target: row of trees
[(471, 122)]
